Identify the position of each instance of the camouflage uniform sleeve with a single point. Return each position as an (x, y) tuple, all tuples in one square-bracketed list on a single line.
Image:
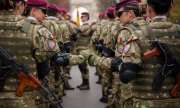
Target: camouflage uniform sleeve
[(96, 34), (75, 59), (95, 60), (65, 32), (53, 27), (85, 30), (44, 44), (72, 28), (127, 47)]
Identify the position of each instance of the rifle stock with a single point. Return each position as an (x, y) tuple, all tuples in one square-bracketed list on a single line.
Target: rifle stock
[(152, 53), (26, 79), (168, 64), (24, 83), (176, 88)]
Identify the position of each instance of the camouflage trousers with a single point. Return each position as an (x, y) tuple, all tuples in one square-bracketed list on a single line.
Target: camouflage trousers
[(106, 81), (10, 100), (114, 96), (145, 103), (56, 82), (83, 67)]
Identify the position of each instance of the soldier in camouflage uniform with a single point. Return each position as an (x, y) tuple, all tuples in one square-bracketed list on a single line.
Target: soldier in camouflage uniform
[(10, 22), (50, 22), (142, 94), (83, 43), (108, 51), (96, 42), (67, 31), (138, 93)]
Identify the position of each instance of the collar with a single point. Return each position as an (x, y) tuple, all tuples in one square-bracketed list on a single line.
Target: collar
[(86, 22), (32, 18), (159, 17), (53, 18)]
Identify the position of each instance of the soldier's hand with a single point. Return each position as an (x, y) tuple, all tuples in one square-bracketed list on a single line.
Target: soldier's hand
[(116, 64), (86, 54)]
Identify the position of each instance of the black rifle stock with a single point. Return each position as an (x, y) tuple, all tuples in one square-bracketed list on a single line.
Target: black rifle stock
[(168, 64)]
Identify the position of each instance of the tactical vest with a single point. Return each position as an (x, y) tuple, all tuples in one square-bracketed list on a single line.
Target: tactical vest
[(84, 40), (64, 26), (108, 39), (53, 27), (165, 32), (18, 44)]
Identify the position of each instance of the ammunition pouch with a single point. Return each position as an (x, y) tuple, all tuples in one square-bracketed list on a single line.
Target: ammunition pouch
[(128, 72)]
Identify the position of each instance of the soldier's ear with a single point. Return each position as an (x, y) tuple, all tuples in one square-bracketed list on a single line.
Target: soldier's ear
[(33, 12)]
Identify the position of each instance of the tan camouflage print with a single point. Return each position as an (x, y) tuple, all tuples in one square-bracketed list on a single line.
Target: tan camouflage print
[(53, 27), (96, 35), (44, 42), (10, 100), (65, 29)]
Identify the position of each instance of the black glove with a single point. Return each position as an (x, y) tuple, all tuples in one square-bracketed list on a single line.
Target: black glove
[(67, 47), (78, 30), (73, 37), (60, 59), (128, 72), (115, 64), (43, 69), (62, 48), (98, 47)]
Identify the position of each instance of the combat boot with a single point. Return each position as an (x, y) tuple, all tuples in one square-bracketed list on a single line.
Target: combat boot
[(104, 98), (82, 84), (99, 80), (67, 86), (86, 85)]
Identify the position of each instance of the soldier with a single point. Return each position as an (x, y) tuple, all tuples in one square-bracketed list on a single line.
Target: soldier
[(11, 30), (82, 43), (123, 53), (143, 94), (108, 51), (135, 94), (98, 45)]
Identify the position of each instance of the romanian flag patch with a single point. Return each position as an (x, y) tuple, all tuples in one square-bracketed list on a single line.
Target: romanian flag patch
[(51, 44)]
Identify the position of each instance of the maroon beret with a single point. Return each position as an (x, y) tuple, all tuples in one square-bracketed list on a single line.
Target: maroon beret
[(54, 7), (38, 3), (123, 3), (102, 14), (110, 10), (62, 10)]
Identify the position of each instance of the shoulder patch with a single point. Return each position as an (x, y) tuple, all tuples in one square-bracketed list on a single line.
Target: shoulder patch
[(26, 26), (51, 44)]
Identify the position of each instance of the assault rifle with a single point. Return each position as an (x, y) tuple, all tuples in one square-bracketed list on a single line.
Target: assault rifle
[(26, 79), (168, 63)]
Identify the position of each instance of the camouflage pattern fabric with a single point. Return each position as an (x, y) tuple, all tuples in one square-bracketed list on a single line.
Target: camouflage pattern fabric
[(137, 94), (53, 27), (11, 38), (10, 100)]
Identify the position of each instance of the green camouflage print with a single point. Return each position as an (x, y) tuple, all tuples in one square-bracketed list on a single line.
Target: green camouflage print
[(18, 45)]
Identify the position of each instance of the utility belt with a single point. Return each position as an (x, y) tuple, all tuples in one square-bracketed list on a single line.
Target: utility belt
[(108, 52)]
